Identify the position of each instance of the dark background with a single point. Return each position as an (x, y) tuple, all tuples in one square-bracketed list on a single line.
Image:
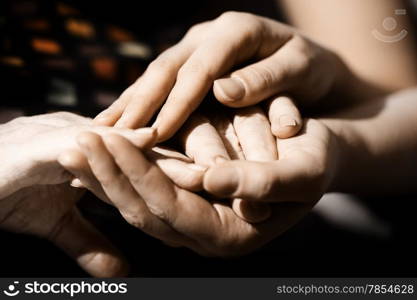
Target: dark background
[(312, 248)]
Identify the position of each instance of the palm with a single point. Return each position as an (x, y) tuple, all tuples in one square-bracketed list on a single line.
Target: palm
[(307, 154)]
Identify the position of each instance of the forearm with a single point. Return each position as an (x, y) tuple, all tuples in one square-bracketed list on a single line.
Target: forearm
[(345, 27), (377, 146)]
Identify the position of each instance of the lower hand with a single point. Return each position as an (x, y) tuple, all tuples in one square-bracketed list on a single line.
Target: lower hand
[(150, 201)]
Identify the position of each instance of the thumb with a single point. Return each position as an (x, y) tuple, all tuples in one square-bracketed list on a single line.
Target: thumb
[(86, 245), (253, 83), (278, 181)]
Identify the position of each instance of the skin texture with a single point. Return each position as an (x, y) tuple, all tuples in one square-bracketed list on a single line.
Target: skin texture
[(26, 145), (209, 226), (244, 134), (206, 58), (321, 158), (37, 199), (276, 59), (347, 152), (389, 66)]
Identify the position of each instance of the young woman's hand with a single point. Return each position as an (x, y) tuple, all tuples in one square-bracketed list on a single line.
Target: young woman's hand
[(276, 59)]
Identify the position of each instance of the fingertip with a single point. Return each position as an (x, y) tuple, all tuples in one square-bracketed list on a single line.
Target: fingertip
[(286, 126), (104, 264), (149, 136), (162, 135), (76, 183), (285, 117), (229, 90), (250, 211)]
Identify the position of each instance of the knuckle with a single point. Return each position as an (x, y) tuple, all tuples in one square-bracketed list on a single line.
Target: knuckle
[(106, 180), (19, 120), (146, 176), (226, 244), (196, 30), (88, 138), (261, 77), (232, 16), (194, 67), (264, 183), (137, 218), (159, 212), (110, 179), (194, 181), (269, 77), (304, 55), (167, 213), (229, 15), (248, 23)]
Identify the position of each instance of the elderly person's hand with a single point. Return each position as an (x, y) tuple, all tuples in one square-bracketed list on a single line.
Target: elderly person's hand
[(34, 198), (30, 147), (210, 56)]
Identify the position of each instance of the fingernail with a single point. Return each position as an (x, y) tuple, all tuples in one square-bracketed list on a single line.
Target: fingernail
[(222, 181), (231, 88), (76, 183), (287, 121)]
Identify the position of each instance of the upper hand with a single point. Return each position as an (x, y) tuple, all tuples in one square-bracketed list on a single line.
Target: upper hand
[(207, 57)]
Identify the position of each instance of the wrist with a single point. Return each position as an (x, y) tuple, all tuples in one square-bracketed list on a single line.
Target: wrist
[(350, 89), (344, 148)]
